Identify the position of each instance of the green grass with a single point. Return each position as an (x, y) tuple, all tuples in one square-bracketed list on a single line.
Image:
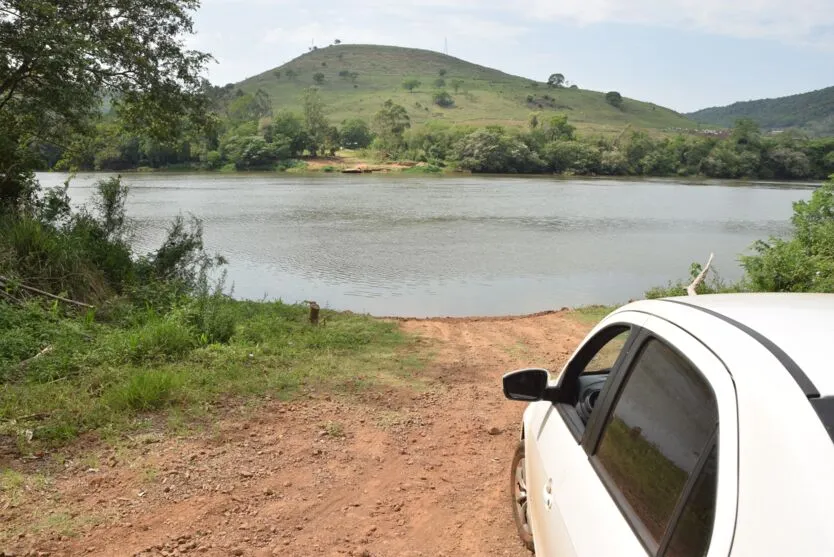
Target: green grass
[(112, 377), (487, 96), (591, 315)]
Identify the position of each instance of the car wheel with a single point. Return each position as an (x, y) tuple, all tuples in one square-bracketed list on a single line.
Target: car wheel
[(518, 493)]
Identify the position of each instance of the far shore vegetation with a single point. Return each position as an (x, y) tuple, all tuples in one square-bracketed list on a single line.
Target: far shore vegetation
[(96, 338)]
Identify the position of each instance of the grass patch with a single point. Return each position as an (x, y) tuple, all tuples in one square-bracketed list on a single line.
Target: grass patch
[(591, 315), (111, 377)]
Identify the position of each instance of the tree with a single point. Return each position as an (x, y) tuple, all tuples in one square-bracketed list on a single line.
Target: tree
[(457, 84), (277, 74), (443, 99), (318, 77), (356, 134), (390, 124), (288, 127), (315, 122), (411, 84), (58, 59), (614, 99), (442, 72), (440, 83), (492, 150), (558, 128), (250, 107), (337, 41), (556, 80), (291, 74)]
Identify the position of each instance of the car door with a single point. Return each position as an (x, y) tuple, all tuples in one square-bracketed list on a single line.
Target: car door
[(656, 470), (554, 431)]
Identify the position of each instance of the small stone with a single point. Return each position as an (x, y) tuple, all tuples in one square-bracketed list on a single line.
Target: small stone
[(494, 430), (237, 551)]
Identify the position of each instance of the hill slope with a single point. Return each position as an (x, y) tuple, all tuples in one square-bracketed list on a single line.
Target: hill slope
[(486, 96), (811, 112)]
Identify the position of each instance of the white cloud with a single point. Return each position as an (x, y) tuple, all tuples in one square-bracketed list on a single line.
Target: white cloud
[(797, 21), (794, 21)]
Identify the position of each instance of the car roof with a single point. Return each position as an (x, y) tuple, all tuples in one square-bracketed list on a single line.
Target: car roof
[(801, 325)]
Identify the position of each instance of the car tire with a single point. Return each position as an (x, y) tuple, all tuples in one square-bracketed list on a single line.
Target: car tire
[(518, 497)]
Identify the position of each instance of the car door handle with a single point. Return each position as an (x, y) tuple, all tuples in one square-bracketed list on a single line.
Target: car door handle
[(548, 494)]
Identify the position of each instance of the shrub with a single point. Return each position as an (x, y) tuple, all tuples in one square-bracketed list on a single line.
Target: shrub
[(492, 150), (805, 261), (443, 99)]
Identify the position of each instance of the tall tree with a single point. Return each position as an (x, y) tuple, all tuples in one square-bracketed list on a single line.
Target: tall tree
[(390, 124), (60, 59), (315, 122)]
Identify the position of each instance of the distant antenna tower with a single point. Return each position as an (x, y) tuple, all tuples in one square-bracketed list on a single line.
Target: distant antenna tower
[(445, 45)]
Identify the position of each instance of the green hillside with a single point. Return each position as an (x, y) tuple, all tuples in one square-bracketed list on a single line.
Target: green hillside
[(485, 96), (811, 112)]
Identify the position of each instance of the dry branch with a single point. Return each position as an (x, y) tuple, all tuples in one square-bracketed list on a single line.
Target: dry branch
[(4, 281), (43, 352), (700, 278)]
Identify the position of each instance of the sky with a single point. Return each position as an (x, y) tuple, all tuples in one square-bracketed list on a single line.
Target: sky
[(683, 54)]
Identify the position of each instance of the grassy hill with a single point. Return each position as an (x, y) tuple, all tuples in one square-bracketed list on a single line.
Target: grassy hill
[(811, 112), (486, 96)]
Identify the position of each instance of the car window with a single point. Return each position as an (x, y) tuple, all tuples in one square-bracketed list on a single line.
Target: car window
[(593, 364), (607, 355), (693, 530), (662, 422)]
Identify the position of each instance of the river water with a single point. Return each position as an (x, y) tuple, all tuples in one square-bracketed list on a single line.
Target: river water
[(454, 245)]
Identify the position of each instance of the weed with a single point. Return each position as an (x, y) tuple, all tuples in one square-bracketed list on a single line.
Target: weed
[(334, 429)]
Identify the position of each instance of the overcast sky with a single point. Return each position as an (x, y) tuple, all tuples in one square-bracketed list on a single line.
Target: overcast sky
[(684, 54)]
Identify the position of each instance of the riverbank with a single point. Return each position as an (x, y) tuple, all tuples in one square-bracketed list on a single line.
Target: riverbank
[(375, 451)]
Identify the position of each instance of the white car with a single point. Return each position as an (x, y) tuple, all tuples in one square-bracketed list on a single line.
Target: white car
[(684, 427)]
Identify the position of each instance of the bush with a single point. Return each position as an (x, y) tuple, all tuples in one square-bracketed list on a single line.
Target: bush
[(805, 261), (571, 156), (443, 99), (492, 150)]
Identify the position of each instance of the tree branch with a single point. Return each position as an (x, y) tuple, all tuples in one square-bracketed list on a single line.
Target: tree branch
[(700, 278)]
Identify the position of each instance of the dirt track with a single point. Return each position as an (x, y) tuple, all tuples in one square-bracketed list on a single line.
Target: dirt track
[(398, 472)]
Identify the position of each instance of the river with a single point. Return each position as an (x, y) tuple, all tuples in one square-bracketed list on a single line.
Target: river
[(404, 245)]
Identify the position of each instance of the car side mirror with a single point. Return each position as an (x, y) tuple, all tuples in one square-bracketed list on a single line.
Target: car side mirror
[(527, 385)]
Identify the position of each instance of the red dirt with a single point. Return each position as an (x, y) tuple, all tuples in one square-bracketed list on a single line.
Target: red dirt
[(417, 473)]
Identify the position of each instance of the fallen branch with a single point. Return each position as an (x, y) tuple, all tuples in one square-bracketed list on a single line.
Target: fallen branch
[(700, 278), (4, 281), (40, 354), (10, 298)]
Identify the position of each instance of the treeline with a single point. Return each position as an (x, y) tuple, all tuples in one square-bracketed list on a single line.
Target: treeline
[(241, 132)]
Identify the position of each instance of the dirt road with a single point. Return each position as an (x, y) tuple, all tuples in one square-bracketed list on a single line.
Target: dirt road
[(397, 472)]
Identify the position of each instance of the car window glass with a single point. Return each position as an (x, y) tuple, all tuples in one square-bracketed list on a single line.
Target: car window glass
[(661, 423), (607, 356), (694, 528), (609, 344)]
